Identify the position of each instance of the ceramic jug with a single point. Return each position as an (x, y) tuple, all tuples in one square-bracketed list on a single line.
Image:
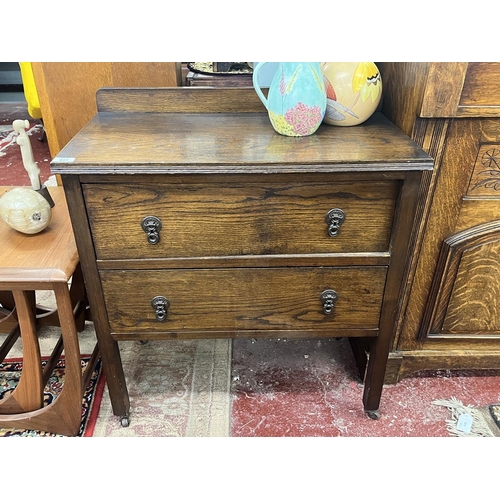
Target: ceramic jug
[(296, 101)]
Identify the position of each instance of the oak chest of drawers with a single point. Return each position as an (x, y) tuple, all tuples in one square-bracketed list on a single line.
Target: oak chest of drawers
[(194, 219)]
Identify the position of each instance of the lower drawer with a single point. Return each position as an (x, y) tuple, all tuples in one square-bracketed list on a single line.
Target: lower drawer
[(221, 301)]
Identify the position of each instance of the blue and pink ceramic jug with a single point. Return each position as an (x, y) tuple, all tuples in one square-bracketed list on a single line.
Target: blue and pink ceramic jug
[(296, 102)]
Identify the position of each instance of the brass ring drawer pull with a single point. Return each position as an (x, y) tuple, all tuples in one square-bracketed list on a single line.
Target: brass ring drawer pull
[(151, 225), (334, 218), (328, 299), (160, 305)]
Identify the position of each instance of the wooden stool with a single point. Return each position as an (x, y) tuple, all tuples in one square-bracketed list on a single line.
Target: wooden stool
[(43, 261)]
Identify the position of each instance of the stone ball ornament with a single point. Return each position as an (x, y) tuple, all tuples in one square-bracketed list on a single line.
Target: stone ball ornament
[(25, 210), (353, 91)]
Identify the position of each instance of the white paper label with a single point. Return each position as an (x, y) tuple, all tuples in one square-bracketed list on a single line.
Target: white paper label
[(60, 159), (464, 423)]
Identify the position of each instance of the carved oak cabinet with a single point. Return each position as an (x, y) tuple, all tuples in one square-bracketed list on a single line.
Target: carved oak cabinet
[(194, 219), (452, 317)]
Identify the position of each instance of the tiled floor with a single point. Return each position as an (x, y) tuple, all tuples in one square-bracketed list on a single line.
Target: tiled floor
[(311, 387)]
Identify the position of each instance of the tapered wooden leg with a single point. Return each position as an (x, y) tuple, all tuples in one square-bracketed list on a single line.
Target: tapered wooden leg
[(9, 325), (115, 377), (78, 298), (28, 395), (374, 379)]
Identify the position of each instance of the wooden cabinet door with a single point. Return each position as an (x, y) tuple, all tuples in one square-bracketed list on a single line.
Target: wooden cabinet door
[(450, 317), (464, 300), (453, 299)]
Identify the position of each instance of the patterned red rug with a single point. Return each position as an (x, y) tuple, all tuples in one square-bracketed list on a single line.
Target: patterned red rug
[(177, 388), (10, 372)]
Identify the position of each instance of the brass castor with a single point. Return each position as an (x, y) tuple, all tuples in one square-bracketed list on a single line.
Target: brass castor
[(373, 414)]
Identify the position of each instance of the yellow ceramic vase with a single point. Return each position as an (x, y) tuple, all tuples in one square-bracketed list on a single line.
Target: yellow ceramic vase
[(353, 91)]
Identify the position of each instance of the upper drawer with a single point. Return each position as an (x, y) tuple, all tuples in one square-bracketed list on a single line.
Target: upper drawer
[(202, 219)]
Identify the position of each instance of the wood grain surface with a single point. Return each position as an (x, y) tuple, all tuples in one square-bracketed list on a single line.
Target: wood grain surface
[(474, 304), (179, 100), (482, 85), (262, 216), (48, 256), (463, 136), (215, 143), (235, 300), (67, 90), (463, 297)]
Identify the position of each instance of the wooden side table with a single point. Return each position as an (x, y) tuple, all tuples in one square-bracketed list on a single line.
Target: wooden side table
[(44, 261)]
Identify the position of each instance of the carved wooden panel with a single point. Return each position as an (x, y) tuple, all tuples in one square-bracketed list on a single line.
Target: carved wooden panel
[(465, 295), (485, 180)]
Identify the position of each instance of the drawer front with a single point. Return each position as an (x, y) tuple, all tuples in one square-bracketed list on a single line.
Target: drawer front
[(231, 219), (221, 300)]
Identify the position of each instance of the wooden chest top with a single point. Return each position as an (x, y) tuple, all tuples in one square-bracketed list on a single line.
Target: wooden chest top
[(231, 143)]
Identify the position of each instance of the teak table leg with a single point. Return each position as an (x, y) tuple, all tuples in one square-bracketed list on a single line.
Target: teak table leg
[(9, 325), (63, 416), (28, 395)]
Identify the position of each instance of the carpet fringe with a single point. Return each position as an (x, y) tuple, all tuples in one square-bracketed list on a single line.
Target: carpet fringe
[(480, 427)]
